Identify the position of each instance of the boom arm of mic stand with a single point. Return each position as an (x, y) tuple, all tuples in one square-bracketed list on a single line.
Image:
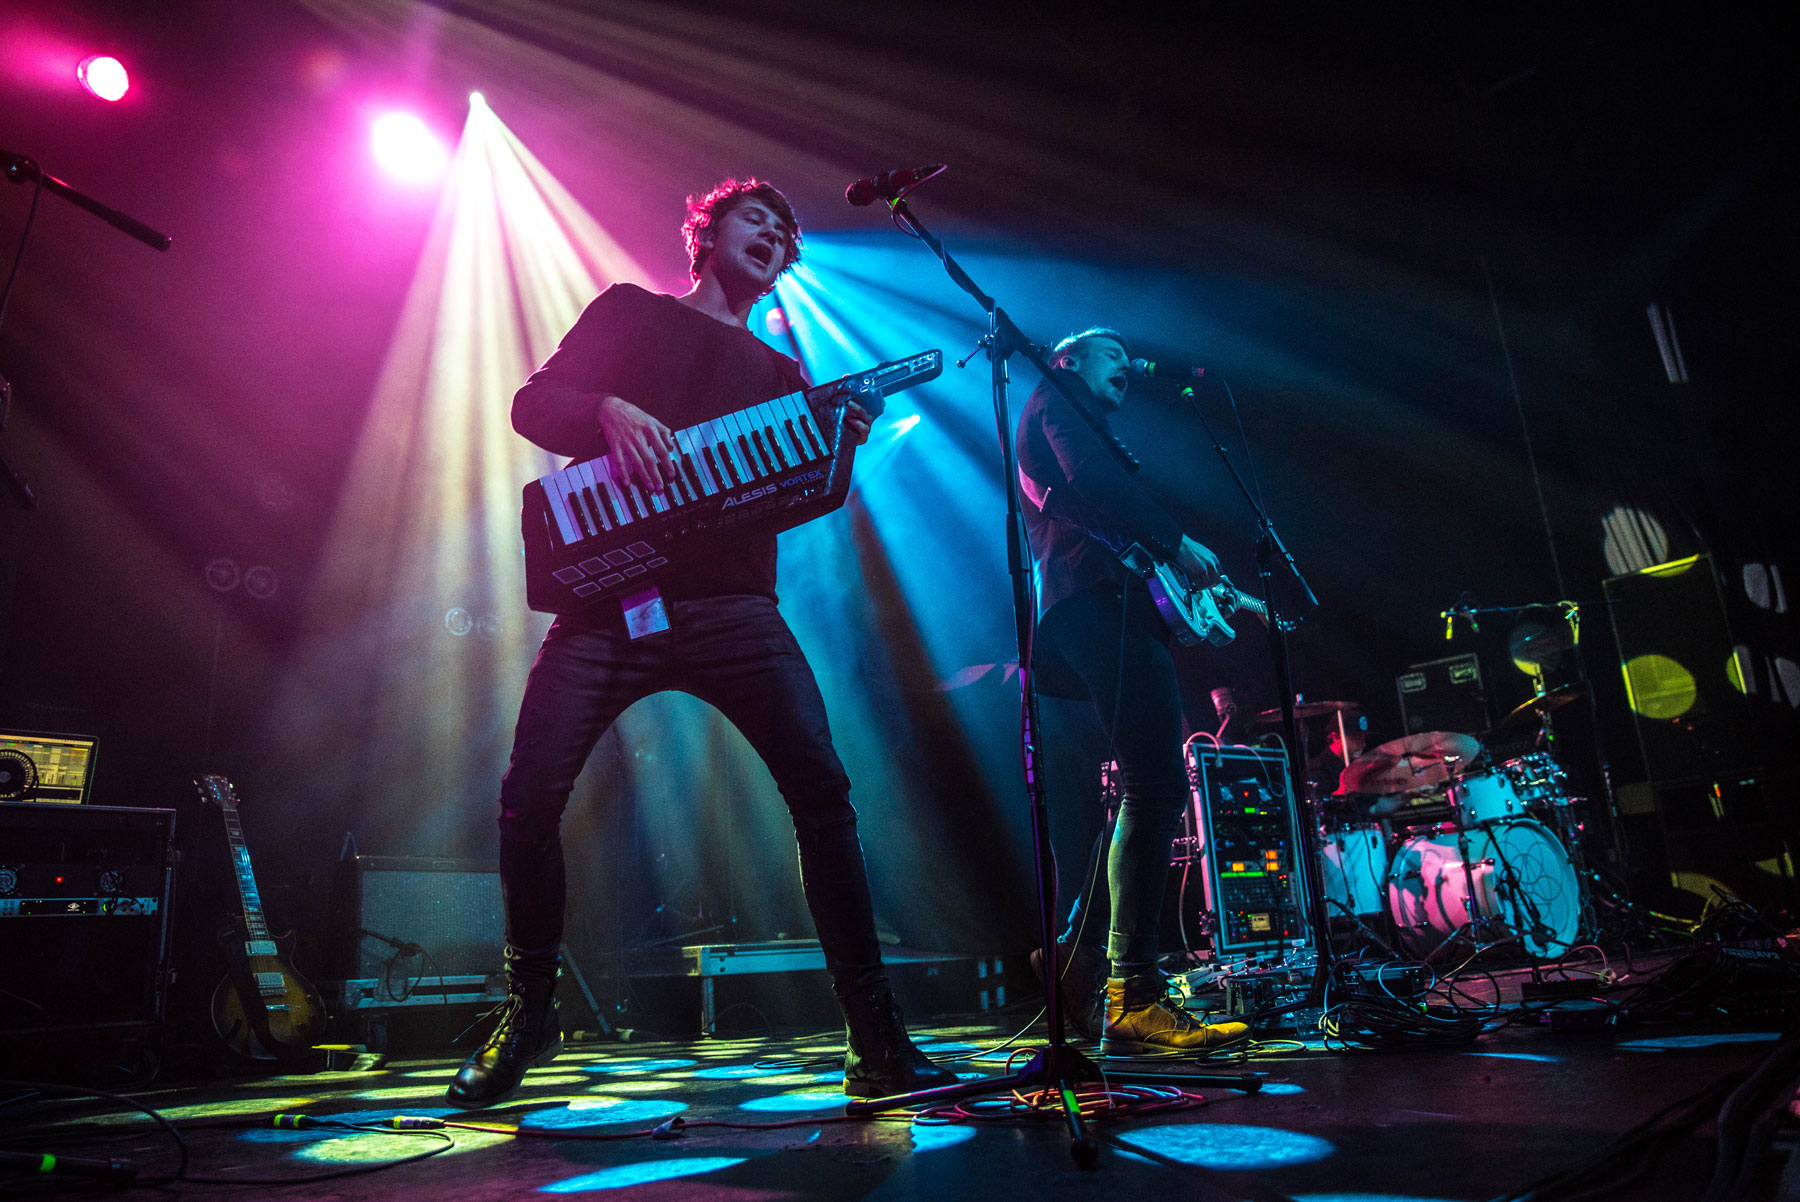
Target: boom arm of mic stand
[(20, 169), (1010, 339), (1263, 523)]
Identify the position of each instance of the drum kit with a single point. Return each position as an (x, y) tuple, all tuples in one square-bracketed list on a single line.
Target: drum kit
[(1430, 834)]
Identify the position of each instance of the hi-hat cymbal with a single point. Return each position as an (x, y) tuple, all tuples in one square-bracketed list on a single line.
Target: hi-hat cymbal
[(1312, 709), (1413, 762), (1542, 703)]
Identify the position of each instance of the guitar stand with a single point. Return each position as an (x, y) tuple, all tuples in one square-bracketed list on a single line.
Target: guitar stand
[(1059, 1067)]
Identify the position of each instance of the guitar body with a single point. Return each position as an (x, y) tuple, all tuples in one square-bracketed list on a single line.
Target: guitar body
[(284, 1016), (1193, 615), (262, 1008)]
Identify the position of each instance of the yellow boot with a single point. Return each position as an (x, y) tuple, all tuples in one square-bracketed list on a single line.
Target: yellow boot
[(1140, 1020)]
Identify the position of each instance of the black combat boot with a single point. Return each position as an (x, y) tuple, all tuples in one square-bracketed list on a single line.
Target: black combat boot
[(879, 1057), (529, 1033)]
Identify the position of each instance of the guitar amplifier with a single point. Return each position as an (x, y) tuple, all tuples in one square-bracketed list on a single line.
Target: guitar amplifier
[(84, 919), (448, 909), (1444, 694)]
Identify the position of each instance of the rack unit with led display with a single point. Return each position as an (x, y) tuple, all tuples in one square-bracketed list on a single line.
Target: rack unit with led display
[(1247, 830)]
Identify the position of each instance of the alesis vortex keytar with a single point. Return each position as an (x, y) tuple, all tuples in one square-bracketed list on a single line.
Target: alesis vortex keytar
[(591, 534)]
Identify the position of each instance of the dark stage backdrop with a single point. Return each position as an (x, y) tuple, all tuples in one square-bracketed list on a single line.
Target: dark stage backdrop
[(1419, 248)]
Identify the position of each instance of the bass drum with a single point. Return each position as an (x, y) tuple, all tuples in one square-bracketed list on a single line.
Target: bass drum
[(1354, 864), (1515, 875)]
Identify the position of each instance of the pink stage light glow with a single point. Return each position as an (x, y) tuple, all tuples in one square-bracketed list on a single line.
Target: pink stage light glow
[(104, 76), (407, 149)]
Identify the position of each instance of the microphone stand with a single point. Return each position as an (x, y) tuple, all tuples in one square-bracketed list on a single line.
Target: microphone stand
[(1269, 545), (1058, 1067), (21, 169)]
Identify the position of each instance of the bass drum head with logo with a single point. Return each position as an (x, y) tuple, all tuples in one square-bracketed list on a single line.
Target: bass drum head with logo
[(1353, 867), (1517, 875)]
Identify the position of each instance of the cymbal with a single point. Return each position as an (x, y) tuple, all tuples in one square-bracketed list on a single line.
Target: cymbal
[(1542, 703), (1440, 743), (1413, 762), (1312, 709), (1545, 644)]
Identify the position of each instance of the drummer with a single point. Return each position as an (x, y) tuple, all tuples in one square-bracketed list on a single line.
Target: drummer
[(1326, 768)]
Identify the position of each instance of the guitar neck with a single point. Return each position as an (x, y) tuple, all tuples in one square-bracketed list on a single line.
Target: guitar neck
[(246, 879), (1245, 601)]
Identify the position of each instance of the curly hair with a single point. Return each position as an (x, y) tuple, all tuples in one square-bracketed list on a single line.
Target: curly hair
[(704, 210)]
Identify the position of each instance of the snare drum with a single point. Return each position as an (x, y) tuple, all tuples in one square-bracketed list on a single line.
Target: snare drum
[(1482, 797)]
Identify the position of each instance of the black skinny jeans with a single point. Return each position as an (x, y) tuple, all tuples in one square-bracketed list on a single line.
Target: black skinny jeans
[(737, 654), (1115, 654)]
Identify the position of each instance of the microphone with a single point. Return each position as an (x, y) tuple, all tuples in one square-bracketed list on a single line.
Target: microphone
[(889, 185), (1450, 616), (1143, 369), (399, 945)]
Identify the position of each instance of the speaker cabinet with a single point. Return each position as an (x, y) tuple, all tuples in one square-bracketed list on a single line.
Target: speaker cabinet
[(450, 909), (84, 919), (1683, 674), (1444, 694)]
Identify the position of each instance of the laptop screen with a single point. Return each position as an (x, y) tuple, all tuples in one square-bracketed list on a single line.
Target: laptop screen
[(65, 764)]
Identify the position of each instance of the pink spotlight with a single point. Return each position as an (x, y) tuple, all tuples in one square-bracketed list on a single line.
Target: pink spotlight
[(407, 149), (104, 76)]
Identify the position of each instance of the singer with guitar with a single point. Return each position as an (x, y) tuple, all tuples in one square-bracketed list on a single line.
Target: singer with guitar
[(1101, 638), (636, 368)]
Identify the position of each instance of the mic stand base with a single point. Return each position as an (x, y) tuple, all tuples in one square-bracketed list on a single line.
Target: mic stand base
[(1058, 1068)]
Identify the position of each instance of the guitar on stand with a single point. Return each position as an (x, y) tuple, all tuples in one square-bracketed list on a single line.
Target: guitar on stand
[(262, 1008)]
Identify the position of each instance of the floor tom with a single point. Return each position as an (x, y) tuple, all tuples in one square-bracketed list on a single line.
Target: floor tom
[(1354, 866)]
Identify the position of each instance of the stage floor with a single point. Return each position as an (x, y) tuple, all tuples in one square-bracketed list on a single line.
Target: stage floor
[(1463, 1123)]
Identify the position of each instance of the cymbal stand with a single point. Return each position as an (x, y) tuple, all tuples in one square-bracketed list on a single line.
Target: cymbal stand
[(1059, 1067)]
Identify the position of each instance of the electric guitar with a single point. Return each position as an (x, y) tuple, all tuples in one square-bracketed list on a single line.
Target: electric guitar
[(1192, 614), (262, 1008)]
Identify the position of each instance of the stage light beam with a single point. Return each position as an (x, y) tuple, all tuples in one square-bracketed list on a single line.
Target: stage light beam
[(103, 76)]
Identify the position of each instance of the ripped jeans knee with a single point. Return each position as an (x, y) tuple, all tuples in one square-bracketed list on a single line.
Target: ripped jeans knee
[(523, 827)]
